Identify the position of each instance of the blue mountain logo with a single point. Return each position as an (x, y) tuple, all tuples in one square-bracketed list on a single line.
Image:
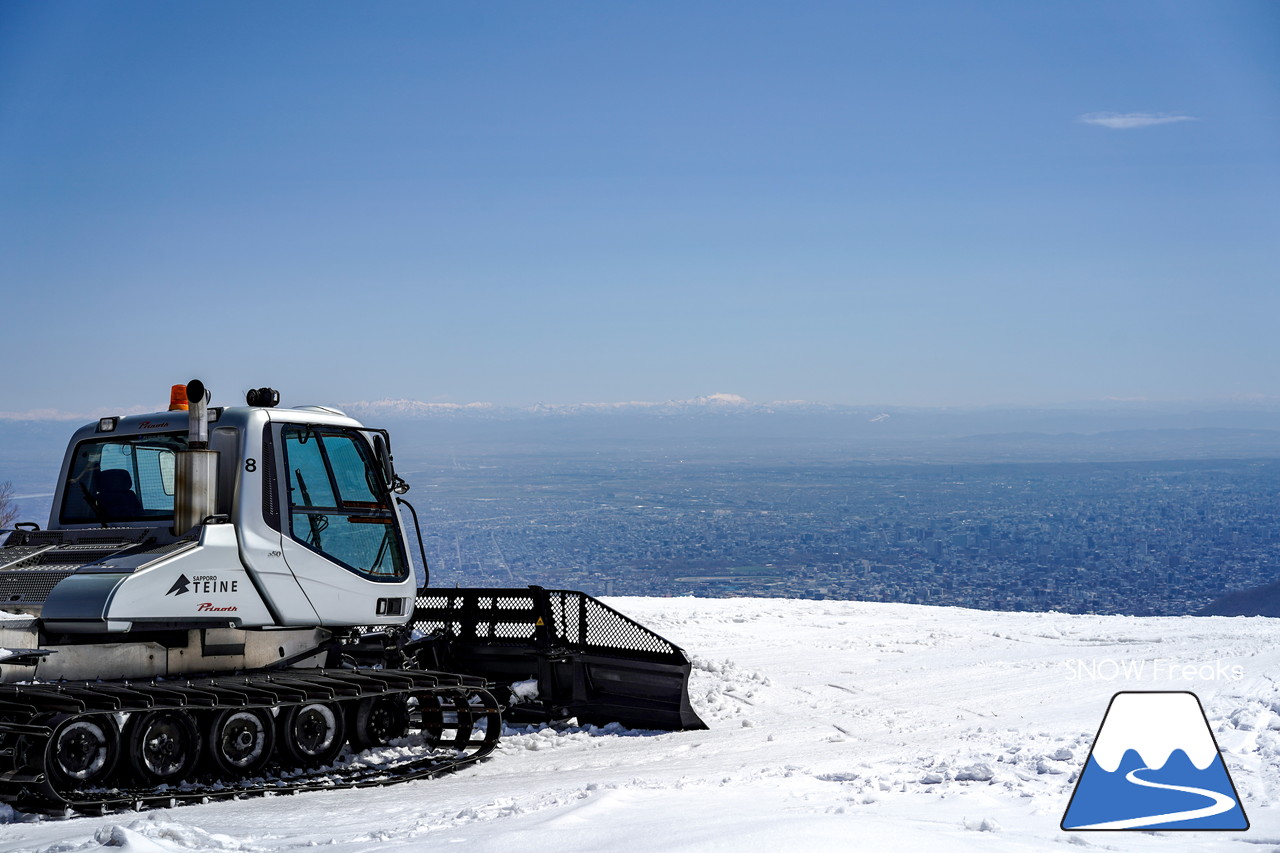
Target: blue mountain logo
[(1155, 765)]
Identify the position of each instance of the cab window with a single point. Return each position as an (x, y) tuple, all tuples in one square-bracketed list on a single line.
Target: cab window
[(338, 506), (123, 478)]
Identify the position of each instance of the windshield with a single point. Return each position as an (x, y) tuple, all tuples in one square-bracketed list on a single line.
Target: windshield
[(122, 478), (338, 506)]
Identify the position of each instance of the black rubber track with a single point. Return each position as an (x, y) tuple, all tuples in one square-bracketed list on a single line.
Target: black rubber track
[(453, 717)]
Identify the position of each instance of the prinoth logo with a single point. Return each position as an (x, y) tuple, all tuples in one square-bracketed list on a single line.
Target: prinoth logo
[(181, 586)]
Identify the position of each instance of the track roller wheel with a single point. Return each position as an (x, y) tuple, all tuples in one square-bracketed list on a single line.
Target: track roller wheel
[(446, 720), (239, 742), (311, 734), (161, 746), (379, 720), (428, 714), (81, 752)]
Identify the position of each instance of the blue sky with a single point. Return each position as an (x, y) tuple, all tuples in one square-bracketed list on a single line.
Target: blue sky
[(915, 204)]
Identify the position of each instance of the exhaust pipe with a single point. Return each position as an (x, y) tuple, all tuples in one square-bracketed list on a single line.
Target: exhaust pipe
[(196, 471)]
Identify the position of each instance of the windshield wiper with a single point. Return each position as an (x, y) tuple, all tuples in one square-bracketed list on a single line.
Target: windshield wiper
[(317, 522)]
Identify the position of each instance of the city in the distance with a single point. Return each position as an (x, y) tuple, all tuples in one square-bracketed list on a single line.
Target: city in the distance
[(1117, 507)]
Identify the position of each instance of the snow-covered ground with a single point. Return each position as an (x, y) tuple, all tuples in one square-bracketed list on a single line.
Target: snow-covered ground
[(834, 725)]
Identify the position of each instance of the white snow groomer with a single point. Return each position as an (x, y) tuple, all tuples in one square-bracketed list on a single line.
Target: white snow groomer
[(224, 599)]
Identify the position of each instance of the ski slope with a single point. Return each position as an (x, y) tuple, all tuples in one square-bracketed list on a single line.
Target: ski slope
[(834, 726)]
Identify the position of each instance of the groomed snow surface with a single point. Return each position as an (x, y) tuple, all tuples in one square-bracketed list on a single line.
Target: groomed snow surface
[(834, 726)]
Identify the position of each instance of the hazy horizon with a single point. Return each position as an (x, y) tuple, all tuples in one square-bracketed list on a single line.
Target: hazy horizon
[(722, 401)]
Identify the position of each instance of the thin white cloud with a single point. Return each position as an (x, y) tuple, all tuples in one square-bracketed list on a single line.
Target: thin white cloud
[(1128, 121)]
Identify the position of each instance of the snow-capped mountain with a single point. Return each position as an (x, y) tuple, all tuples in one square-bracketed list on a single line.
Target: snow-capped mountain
[(977, 424), (710, 403), (412, 408), (833, 726)]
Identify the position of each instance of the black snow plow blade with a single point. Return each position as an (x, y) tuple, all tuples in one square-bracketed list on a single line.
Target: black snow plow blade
[(586, 659)]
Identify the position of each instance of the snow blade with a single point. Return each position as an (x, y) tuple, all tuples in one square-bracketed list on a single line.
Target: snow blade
[(586, 659)]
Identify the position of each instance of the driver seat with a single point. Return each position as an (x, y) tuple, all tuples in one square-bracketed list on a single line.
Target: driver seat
[(115, 494)]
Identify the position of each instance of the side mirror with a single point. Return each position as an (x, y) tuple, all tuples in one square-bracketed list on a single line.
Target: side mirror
[(384, 460)]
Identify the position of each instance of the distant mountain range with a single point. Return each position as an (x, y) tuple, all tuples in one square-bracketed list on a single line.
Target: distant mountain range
[(711, 403), (1085, 417), (723, 424)]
